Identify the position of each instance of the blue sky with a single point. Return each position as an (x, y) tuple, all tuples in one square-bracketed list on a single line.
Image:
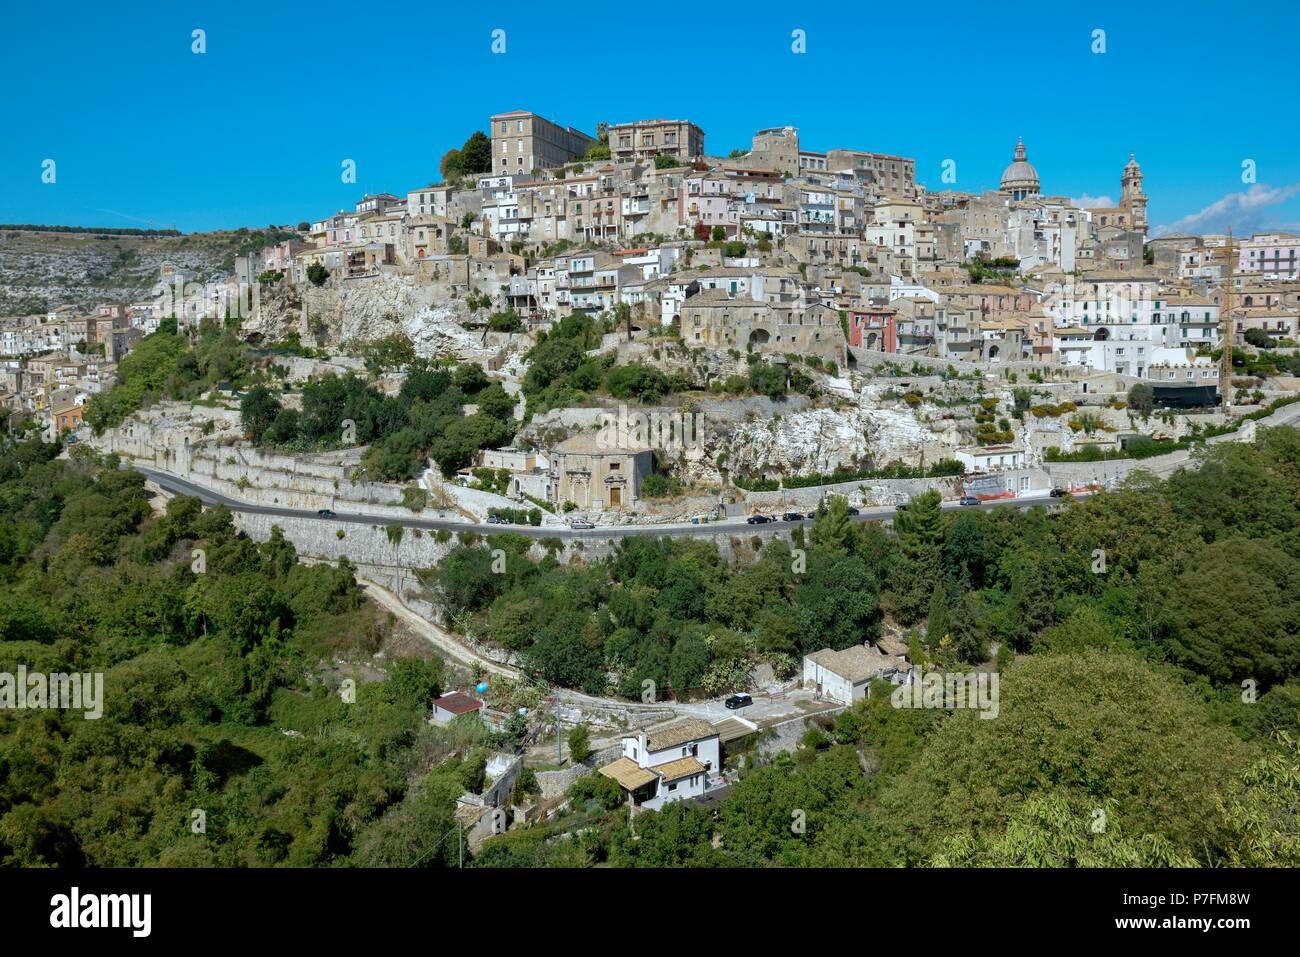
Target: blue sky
[(143, 131)]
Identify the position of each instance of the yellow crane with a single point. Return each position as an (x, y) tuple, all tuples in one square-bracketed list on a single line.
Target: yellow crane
[(1225, 376)]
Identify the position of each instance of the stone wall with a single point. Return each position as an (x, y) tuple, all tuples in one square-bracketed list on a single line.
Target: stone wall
[(553, 784), (786, 735)]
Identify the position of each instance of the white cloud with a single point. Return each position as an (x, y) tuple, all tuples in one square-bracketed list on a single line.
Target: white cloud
[(1087, 201), (1244, 212)]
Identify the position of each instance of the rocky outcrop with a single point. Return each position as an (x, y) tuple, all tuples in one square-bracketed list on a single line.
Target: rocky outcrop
[(816, 440), (358, 310)]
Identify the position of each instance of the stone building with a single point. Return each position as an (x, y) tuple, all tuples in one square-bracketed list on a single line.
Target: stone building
[(596, 475), (523, 141), (646, 139), (719, 320)]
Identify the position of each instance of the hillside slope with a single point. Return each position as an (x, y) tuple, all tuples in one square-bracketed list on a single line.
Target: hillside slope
[(41, 270)]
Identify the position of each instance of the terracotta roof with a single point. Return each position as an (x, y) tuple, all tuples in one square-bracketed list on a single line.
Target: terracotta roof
[(628, 773), (672, 733), (681, 768), (457, 702)]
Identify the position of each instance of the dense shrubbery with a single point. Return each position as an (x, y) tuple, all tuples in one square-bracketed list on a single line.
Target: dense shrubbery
[(203, 675), (895, 470), (163, 366), (561, 373), (668, 611), (423, 419)]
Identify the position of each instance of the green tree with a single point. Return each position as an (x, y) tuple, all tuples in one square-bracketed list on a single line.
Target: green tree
[(919, 526), (937, 624), (1078, 725), (1051, 830), (579, 742), (258, 409), (1237, 613), (833, 530), (767, 379), (1262, 810), (1141, 398), (837, 604)]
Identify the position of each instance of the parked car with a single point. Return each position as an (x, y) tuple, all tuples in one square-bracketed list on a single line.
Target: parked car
[(738, 701), (757, 520), (580, 523), (969, 500), (324, 513), (853, 511), (793, 516), (1058, 492)]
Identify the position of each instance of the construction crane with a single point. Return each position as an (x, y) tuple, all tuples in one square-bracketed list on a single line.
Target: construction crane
[(1225, 376)]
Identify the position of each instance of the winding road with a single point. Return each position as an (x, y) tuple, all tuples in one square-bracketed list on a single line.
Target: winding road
[(179, 486)]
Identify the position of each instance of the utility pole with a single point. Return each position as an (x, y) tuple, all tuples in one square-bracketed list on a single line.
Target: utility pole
[(1225, 374)]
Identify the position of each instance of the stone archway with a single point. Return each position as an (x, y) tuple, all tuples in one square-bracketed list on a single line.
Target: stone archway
[(759, 337)]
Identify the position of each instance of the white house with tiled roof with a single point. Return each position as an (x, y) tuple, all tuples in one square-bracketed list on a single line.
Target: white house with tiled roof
[(667, 762)]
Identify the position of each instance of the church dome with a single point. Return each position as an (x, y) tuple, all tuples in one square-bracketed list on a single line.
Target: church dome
[(1020, 179)]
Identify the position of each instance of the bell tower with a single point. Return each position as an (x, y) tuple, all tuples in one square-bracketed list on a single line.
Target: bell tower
[(1132, 197)]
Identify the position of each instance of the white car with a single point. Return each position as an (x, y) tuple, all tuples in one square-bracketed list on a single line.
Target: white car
[(579, 523)]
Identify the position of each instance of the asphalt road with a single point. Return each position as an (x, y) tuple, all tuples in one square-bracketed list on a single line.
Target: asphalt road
[(179, 486)]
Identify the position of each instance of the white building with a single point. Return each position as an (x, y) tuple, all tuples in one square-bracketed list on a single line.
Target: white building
[(672, 761), (1272, 255), (991, 458), (845, 675)]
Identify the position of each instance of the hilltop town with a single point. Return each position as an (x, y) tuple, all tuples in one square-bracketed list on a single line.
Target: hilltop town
[(824, 316)]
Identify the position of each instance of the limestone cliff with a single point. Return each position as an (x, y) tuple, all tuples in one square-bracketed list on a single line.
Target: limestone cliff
[(357, 310)]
